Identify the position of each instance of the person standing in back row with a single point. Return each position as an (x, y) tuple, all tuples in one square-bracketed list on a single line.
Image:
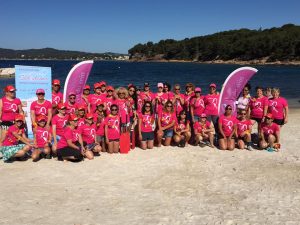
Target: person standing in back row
[(211, 102)]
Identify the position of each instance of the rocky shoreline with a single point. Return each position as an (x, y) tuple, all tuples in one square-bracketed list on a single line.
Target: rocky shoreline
[(7, 72)]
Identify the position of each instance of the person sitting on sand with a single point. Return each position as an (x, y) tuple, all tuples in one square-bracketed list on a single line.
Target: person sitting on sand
[(146, 123), (166, 122), (269, 133), (243, 131), (112, 130), (42, 139), (70, 147), (11, 147), (182, 130), (227, 129), (204, 130)]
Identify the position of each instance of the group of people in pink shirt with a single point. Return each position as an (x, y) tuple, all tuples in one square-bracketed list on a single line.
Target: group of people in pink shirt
[(82, 128)]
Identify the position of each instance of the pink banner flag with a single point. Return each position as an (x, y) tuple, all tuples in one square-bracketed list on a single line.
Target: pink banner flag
[(77, 78), (233, 87)]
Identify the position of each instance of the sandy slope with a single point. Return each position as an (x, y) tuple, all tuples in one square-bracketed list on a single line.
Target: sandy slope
[(160, 186)]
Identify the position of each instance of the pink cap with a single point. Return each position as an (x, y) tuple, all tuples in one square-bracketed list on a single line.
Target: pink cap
[(269, 115), (56, 82), (72, 93), (19, 117), (213, 85), (89, 116), (87, 87), (41, 117), (160, 85), (101, 83), (40, 91), (197, 89), (9, 88), (73, 117), (203, 115), (97, 85)]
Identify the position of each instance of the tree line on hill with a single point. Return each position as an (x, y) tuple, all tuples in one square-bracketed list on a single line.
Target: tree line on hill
[(281, 44), (51, 53)]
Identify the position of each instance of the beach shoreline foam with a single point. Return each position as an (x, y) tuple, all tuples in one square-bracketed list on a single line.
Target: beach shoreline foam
[(168, 185)]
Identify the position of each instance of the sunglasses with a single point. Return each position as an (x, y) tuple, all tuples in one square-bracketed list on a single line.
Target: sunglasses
[(114, 109), (19, 121), (121, 93), (267, 118), (131, 90), (177, 89), (89, 118), (242, 114), (160, 87), (71, 97), (147, 106), (229, 109), (75, 121), (56, 85), (41, 94), (169, 106), (12, 91), (198, 92)]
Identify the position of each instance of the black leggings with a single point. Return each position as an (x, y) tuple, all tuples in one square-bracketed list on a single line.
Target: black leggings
[(68, 151)]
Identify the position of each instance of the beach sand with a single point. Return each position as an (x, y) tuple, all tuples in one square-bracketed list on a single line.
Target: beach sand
[(172, 185)]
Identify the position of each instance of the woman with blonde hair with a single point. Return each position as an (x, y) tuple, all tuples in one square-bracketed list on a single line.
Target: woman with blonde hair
[(278, 107), (123, 104)]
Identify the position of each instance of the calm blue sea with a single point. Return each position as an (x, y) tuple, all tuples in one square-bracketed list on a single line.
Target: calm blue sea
[(118, 73)]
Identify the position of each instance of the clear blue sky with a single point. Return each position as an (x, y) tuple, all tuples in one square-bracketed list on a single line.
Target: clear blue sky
[(111, 25)]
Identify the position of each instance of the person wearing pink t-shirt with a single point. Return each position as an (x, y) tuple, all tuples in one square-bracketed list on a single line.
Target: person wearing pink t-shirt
[(41, 107), (71, 104), (112, 130), (10, 146), (10, 106), (178, 100), (182, 130), (81, 112), (123, 104), (160, 99), (204, 130), (96, 98), (59, 122), (269, 134), (278, 107), (197, 105), (166, 121), (42, 139), (70, 146), (57, 96), (99, 118), (88, 134), (109, 99), (85, 96), (258, 106), (243, 131), (146, 125), (227, 129), (211, 104)]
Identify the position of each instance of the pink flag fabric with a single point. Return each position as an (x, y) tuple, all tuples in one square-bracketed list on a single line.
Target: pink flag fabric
[(77, 78), (233, 87)]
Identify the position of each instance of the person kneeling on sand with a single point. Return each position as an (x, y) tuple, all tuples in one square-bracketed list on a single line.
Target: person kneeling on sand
[(269, 134), (243, 131), (42, 139), (11, 147), (204, 130), (182, 130), (70, 146)]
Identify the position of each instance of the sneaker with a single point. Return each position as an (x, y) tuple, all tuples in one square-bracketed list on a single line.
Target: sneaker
[(269, 149), (250, 148)]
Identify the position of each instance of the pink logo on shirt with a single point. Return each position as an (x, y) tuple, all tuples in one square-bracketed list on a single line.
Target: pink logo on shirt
[(42, 111)]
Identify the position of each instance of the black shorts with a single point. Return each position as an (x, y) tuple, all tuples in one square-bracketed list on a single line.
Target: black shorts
[(258, 120), (6, 124), (68, 151), (111, 140), (148, 136), (279, 121)]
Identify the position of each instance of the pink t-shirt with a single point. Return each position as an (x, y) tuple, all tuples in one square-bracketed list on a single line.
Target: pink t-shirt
[(198, 105), (199, 126), (147, 122), (42, 136), (257, 106), (80, 122), (123, 110), (88, 133), (146, 96), (177, 105), (95, 99), (167, 118), (10, 109), (267, 130), (140, 103), (160, 99), (99, 124), (70, 108), (109, 102), (113, 127), (10, 139), (60, 123), (276, 107), (41, 109), (227, 124), (57, 97), (211, 104), (242, 126), (181, 125), (69, 134), (187, 99)]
